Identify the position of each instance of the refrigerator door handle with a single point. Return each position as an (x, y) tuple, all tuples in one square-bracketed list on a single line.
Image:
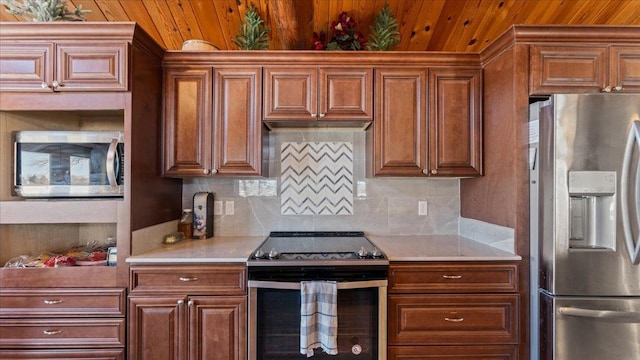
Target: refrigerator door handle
[(625, 316), (633, 246)]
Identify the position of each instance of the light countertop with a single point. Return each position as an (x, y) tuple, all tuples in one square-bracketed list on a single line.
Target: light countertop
[(438, 248), (212, 250), (397, 247)]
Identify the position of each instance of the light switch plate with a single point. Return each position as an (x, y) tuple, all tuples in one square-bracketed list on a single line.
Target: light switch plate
[(422, 208), (229, 207), (217, 207)]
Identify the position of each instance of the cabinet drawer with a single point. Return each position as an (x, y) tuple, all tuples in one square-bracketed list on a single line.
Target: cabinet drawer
[(62, 302), (453, 319), (450, 278), (206, 280), (78, 333), (469, 352), (84, 354)]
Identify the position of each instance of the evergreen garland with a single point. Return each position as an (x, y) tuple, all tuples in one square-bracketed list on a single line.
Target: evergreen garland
[(253, 33), (384, 31), (44, 10)]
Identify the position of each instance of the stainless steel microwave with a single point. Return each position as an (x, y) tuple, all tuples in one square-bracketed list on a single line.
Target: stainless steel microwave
[(76, 164)]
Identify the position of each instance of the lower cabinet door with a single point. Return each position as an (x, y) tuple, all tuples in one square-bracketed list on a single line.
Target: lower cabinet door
[(218, 327), (157, 328), (470, 352), (84, 354)]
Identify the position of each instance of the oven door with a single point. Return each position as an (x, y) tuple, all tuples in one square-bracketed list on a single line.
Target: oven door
[(274, 320)]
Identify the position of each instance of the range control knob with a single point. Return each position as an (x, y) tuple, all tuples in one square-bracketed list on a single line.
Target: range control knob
[(363, 253), (376, 253), (259, 254), (273, 254), (356, 349)]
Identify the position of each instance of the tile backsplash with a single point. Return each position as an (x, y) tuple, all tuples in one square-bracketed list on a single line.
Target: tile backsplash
[(316, 178), (379, 205)]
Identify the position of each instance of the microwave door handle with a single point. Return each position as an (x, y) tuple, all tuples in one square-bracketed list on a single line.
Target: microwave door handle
[(633, 247), (626, 316), (111, 163)]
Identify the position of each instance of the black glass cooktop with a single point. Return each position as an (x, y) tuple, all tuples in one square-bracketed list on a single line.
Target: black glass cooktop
[(316, 248)]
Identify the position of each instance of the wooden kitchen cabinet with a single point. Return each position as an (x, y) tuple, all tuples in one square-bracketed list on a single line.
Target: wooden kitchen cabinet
[(47, 66), (397, 139), (212, 122), (306, 95), (54, 322), (470, 310), (584, 68), (109, 79), (188, 312), (427, 123), (455, 125)]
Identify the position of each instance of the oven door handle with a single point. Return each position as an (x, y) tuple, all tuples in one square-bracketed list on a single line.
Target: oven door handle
[(296, 285)]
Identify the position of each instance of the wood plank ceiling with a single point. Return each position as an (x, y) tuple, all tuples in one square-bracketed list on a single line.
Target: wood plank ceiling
[(434, 25)]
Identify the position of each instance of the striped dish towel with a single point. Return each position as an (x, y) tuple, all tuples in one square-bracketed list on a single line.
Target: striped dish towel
[(318, 317)]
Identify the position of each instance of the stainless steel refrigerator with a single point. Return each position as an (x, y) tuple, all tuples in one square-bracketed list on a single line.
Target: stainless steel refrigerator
[(585, 203)]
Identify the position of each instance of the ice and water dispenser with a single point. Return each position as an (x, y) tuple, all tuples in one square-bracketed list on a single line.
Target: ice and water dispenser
[(592, 210)]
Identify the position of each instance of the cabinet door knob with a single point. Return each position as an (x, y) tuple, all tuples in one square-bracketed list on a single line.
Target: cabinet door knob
[(205, 171), (44, 85), (322, 115), (190, 303), (313, 115), (214, 171), (55, 84), (434, 171), (180, 302), (617, 88), (425, 171), (607, 89)]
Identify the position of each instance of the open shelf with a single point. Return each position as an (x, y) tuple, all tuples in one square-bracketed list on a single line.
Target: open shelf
[(59, 211)]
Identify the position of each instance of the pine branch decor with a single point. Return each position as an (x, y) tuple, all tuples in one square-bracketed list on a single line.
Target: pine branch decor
[(253, 33), (384, 31), (44, 10)]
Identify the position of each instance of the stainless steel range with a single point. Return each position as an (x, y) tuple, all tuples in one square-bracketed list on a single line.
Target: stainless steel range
[(284, 260)]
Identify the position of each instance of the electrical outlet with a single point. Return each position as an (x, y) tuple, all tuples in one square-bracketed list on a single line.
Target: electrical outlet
[(422, 208), (229, 208), (217, 207)]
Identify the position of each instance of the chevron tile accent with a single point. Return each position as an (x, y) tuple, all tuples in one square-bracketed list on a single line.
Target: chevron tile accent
[(317, 178)]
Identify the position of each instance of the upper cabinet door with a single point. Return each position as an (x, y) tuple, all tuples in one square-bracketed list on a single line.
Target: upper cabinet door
[(290, 94), (59, 66), (455, 128), (101, 66), (397, 136), (26, 66), (625, 68), (310, 94), (187, 122), (557, 69), (346, 94), (239, 131)]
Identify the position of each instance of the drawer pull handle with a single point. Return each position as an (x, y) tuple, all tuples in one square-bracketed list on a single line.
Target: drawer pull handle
[(52, 302), (452, 276), (190, 278), (454, 319), (52, 332)]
